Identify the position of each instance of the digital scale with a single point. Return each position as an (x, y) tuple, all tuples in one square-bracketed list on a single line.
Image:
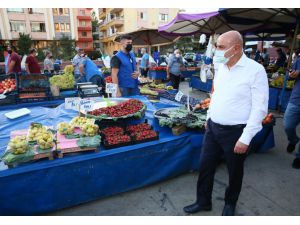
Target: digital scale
[(88, 90)]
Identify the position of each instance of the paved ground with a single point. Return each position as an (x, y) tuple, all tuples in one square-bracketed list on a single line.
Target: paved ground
[(271, 187)]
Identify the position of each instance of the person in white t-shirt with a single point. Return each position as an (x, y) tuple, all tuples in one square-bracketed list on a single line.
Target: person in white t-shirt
[(238, 105)]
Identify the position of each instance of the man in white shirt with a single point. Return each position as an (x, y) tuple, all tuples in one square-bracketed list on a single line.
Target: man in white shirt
[(239, 104)]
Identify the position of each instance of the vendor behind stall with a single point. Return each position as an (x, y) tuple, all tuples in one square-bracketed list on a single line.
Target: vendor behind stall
[(174, 68), (123, 69), (32, 64), (89, 72)]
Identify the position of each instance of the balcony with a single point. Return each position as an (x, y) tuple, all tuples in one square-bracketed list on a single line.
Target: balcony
[(103, 26), (85, 39), (84, 17), (116, 10), (80, 28)]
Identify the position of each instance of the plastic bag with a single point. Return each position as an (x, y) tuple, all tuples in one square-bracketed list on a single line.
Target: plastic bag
[(206, 73)]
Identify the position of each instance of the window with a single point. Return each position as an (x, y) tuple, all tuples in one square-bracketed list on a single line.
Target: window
[(66, 11), (61, 11), (55, 11), (62, 27), (18, 26), (82, 12), (82, 23), (38, 27), (163, 17), (19, 10), (67, 27), (143, 16), (84, 34), (57, 27), (35, 10)]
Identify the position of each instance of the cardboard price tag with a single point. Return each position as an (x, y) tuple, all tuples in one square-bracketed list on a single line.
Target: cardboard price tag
[(72, 103), (111, 88), (178, 96), (86, 104)]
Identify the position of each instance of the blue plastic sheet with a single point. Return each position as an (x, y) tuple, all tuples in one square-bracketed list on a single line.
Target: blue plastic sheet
[(47, 186)]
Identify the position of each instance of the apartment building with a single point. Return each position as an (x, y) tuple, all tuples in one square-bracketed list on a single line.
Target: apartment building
[(46, 25), (119, 20)]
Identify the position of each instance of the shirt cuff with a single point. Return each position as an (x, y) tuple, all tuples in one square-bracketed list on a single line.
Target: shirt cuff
[(245, 138)]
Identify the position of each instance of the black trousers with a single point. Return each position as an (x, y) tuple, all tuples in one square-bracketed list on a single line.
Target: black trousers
[(144, 72), (175, 81), (218, 141)]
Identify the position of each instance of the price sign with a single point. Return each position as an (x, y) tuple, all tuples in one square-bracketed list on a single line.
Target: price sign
[(86, 104), (178, 96), (111, 89), (72, 103)]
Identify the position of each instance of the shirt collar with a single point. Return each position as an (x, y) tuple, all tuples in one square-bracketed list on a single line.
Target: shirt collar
[(242, 61)]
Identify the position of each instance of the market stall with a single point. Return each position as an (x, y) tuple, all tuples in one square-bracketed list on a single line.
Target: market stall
[(196, 83), (51, 185)]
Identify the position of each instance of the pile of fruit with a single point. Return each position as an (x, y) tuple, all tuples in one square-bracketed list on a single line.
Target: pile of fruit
[(204, 104), (124, 109), (147, 91), (120, 139), (18, 145), (65, 128), (146, 134), (45, 140), (112, 131), (35, 131), (90, 130), (7, 85), (138, 128), (108, 79), (80, 121), (64, 81), (156, 86), (278, 82), (268, 119), (159, 68)]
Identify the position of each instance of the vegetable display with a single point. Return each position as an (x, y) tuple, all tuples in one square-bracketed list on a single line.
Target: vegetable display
[(113, 131), (45, 141), (146, 134), (7, 85), (120, 139), (65, 128), (64, 81), (18, 145)]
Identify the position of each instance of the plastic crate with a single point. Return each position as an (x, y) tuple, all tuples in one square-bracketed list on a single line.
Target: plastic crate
[(273, 97), (285, 99), (157, 75), (196, 83), (33, 83)]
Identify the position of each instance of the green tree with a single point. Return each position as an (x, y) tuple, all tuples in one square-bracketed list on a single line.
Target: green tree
[(24, 43), (95, 22), (67, 46), (55, 50), (41, 55)]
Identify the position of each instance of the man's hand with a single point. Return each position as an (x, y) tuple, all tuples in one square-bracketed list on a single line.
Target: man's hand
[(119, 93), (294, 74), (135, 74), (240, 148)]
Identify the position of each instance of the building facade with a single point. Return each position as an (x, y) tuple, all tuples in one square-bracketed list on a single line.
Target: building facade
[(119, 20), (46, 25)]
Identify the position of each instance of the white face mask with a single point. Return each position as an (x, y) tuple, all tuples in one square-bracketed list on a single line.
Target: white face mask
[(219, 56), (177, 55)]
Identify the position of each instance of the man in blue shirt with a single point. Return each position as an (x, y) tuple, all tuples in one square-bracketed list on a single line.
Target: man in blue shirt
[(90, 72), (292, 114), (144, 63), (123, 69)]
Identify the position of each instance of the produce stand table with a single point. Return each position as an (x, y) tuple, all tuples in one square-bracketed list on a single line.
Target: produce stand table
[(47, 186), (196, 83), (189, 73), (274, 98)]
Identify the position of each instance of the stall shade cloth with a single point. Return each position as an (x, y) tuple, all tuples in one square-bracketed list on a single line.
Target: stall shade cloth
[(258, 20), (149, 37)]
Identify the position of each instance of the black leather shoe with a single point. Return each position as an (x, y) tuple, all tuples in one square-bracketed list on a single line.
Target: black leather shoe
[(229, 210), (290, 148), (296, 163), (196, 208)]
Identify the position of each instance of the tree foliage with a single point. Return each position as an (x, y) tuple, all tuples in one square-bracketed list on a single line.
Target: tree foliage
[(24, 43)]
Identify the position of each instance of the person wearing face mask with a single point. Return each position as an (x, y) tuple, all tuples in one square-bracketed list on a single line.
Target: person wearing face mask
[(144, 63), (48, 63), (238, 105), (14, 62), (174, 68), (76, 63), (31, 64), (123, 69)]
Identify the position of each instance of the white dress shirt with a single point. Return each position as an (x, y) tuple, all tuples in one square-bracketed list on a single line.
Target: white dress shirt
[(240, 96)]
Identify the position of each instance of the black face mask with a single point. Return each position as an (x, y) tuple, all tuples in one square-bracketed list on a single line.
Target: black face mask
[(9, 51), (128, 47)]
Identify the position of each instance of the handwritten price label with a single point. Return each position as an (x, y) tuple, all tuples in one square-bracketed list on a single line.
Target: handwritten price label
[(111, 89), (178, 96), (72, 103)]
